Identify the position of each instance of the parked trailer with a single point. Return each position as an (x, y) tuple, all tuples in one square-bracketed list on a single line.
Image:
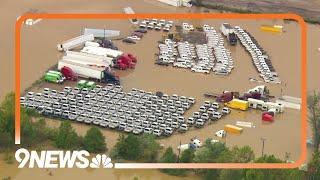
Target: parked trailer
[(101, 33), (129, 10), (233, 129), (84, 62), (100, 51), (75, 42), (90, 58), (238, 104), (83, 70), (256, 103), (228, 31), (177, 3)]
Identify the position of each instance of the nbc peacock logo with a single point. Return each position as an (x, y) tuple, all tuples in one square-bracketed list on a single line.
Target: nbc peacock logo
[(101, 161)]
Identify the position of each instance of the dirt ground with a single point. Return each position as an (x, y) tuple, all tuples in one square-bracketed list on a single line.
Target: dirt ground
[(39, 53)]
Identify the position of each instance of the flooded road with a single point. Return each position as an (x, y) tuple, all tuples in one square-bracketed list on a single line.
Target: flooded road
[(39, 53)]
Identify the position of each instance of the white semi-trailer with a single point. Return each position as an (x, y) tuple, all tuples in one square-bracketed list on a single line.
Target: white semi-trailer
[(129, 10), (177, 3), (100, 51), (75, 42), (226, 29), (83, 70), (89, 58)]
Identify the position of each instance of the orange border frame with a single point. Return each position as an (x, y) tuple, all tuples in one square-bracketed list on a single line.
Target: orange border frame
[(295, 17)]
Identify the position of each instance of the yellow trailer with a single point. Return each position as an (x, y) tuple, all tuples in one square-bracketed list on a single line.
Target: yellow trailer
[(233, 129), (275, 28), (238, 104)]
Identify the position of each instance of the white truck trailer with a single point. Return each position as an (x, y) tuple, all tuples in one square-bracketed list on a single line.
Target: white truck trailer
[(129, 10), (100, 51), (89, 58), (75, 42), (102, 33), (177, 3), (226, 29), (83, 70)]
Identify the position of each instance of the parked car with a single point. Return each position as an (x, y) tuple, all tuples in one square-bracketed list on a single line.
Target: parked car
[(128, 40)]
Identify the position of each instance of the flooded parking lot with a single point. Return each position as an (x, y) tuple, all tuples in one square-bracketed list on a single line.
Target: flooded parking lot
[(39, 53), (170, 80)]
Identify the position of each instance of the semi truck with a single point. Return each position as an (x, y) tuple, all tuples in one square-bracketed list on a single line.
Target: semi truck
[(121, 60), (228, 31), (90, 72), (75, 42)]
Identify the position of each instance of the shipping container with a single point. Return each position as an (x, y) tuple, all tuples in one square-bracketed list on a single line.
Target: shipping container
[(233, 129), (238, 104)]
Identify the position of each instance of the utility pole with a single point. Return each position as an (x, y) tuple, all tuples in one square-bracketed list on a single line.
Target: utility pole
[(178, 159), (262, 140)]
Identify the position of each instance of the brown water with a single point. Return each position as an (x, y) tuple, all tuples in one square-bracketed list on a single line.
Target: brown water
[(39, 53)]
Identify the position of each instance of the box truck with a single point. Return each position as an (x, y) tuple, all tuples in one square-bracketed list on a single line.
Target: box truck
[(238, 104), (75, 42), (233, 129), (228, 31)]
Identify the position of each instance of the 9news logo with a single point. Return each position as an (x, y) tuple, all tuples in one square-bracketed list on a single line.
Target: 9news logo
[(61, 159)]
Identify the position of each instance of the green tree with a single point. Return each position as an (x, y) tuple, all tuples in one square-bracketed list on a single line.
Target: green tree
[(150, 148), (169, 156), (242, 155), (314, 118), (272, 174), (7, 114), (187, 156), (66, 137), (231, 174), (314, 167), (129, 148), (94, 141)]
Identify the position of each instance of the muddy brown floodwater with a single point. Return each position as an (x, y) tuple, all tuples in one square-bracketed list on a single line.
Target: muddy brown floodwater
[(39, 53), (151, 77)]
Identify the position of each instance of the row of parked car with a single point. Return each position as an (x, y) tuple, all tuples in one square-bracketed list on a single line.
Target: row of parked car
[(200, 57), (223, 59), (156, 24), (208, 111), (259, 58), (137, 111)]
